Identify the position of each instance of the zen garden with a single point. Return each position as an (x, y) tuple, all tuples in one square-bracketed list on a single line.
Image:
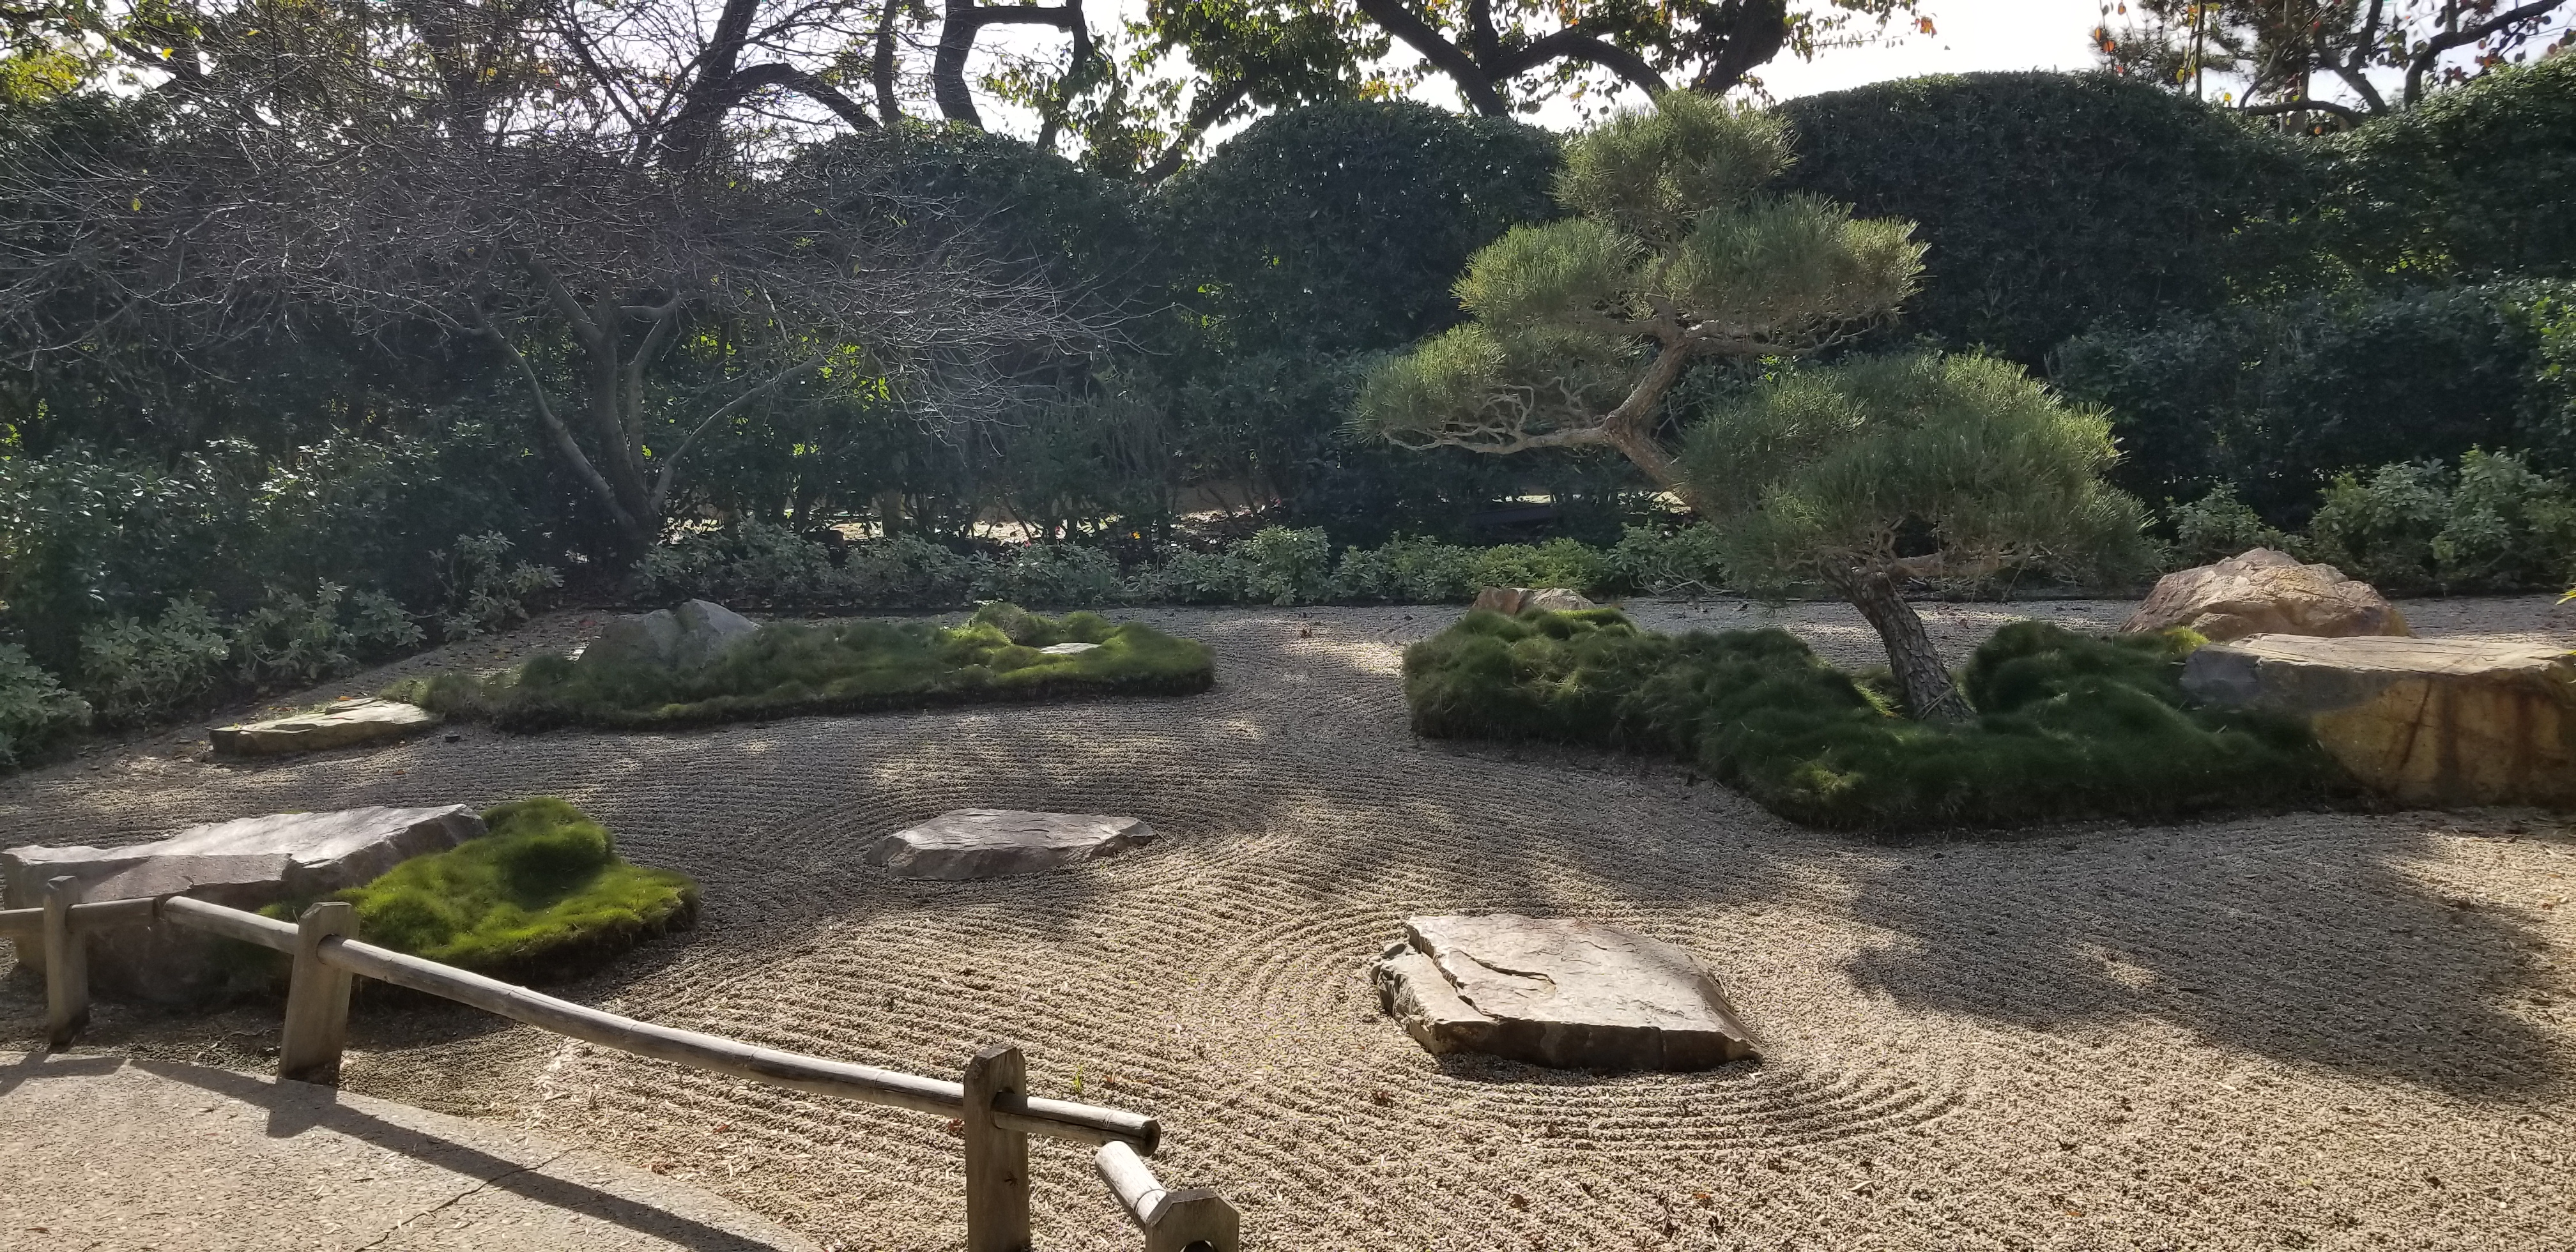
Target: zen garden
[(1375, 625)]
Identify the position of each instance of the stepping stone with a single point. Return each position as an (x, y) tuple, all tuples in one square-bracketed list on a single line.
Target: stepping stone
[(1559, 992), (2428, 721), (340, 726), (996, 843), (1067, 649), (248, 863)]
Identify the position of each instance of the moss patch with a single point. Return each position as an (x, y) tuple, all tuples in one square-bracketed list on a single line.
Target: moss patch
[(2068, 726), (789, 668), (543, 897)]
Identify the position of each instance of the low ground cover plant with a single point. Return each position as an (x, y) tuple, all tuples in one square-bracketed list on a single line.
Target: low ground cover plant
[(793, 668), (542, 897), (2065, 726)]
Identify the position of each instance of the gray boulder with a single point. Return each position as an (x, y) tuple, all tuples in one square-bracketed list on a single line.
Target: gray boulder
[(342, 725), (247, 863), (691, 636), (997, 843), (1560, 992)]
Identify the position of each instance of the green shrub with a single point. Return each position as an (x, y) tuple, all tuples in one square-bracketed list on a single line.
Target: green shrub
[(1665, 562), (2050, 201), (2277, 400), (542, 897), (479, 595), (1050, 574), (2475, 180), (134, 671), (35, 711), (2490, 525), (2067, 726), (790, 669), (2218, 526), (304, 640)]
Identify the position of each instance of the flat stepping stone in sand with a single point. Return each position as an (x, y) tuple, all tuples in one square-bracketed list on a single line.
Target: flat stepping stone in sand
[(997, 843), (1560, 992), (340, 726), (247, 863)]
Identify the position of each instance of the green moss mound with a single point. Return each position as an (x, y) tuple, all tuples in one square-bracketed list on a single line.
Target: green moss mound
[(542, 897), (788, 669), (2068, 726)]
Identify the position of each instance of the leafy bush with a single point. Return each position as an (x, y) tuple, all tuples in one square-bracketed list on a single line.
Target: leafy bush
[(2051, 201), (1050, 574), (480, 595), (1686, 559), (542, 897), (2276, 400), (2066, 726), (135, 671), (2475, 180), (35, 711), (2218, 526), (2490, 525), (304, 640), (791, 669)]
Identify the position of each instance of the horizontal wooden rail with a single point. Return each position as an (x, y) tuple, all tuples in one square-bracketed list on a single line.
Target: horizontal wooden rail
[(1056, 1119), (27, 925), (993, 1095)]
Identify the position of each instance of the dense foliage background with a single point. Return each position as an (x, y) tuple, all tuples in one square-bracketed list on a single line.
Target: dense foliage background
[(2355, 343)]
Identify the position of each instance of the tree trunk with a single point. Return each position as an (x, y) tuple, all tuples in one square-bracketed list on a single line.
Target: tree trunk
[(1919, 672)]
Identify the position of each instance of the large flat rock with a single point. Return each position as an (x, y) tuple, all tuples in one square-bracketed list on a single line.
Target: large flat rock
[(2428, 721), (2266, 592), (997, 843), (108, 1153), (247, 863), (340, 726), (1560, 992)]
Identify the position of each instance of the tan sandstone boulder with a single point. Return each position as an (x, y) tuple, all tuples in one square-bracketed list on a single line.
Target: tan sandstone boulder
[(2428, 721), (2267, 592), (1560, 992), (1514, 601)]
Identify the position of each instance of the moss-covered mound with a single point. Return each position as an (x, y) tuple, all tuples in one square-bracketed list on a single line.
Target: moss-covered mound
[(788, 669), (542, 897), (2068, 726)]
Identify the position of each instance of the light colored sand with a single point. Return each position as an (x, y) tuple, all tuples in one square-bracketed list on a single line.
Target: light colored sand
[(2324, 1030)]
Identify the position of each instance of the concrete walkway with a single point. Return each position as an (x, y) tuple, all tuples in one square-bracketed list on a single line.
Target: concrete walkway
[(101, 1152)]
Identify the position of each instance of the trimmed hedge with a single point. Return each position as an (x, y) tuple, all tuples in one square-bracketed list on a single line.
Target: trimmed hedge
[(2051, 201), (2068, 727), (542, 897), (2478, 179), (791, 669)]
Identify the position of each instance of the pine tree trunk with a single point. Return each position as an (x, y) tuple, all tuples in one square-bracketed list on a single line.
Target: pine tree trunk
[(1919, 671)]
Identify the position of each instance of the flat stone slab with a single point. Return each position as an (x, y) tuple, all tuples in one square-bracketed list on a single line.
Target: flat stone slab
[(2428, 721), (247, 863), (998, 843), (1560, 992), (104, 1152), (1067, 649), (341, 726)]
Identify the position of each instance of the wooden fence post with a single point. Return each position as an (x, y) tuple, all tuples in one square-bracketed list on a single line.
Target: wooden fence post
[(1195, 1219), (997, 1160), (317, 998), (66, 965)]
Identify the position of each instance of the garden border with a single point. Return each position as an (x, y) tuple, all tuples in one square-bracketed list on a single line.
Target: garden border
[(994, 1110)]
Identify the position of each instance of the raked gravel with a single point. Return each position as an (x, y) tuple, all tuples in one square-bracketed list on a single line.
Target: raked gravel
[(2310, 1030)]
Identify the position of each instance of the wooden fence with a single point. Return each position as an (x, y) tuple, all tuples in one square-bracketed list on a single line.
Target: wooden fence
[(991, 1102)]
